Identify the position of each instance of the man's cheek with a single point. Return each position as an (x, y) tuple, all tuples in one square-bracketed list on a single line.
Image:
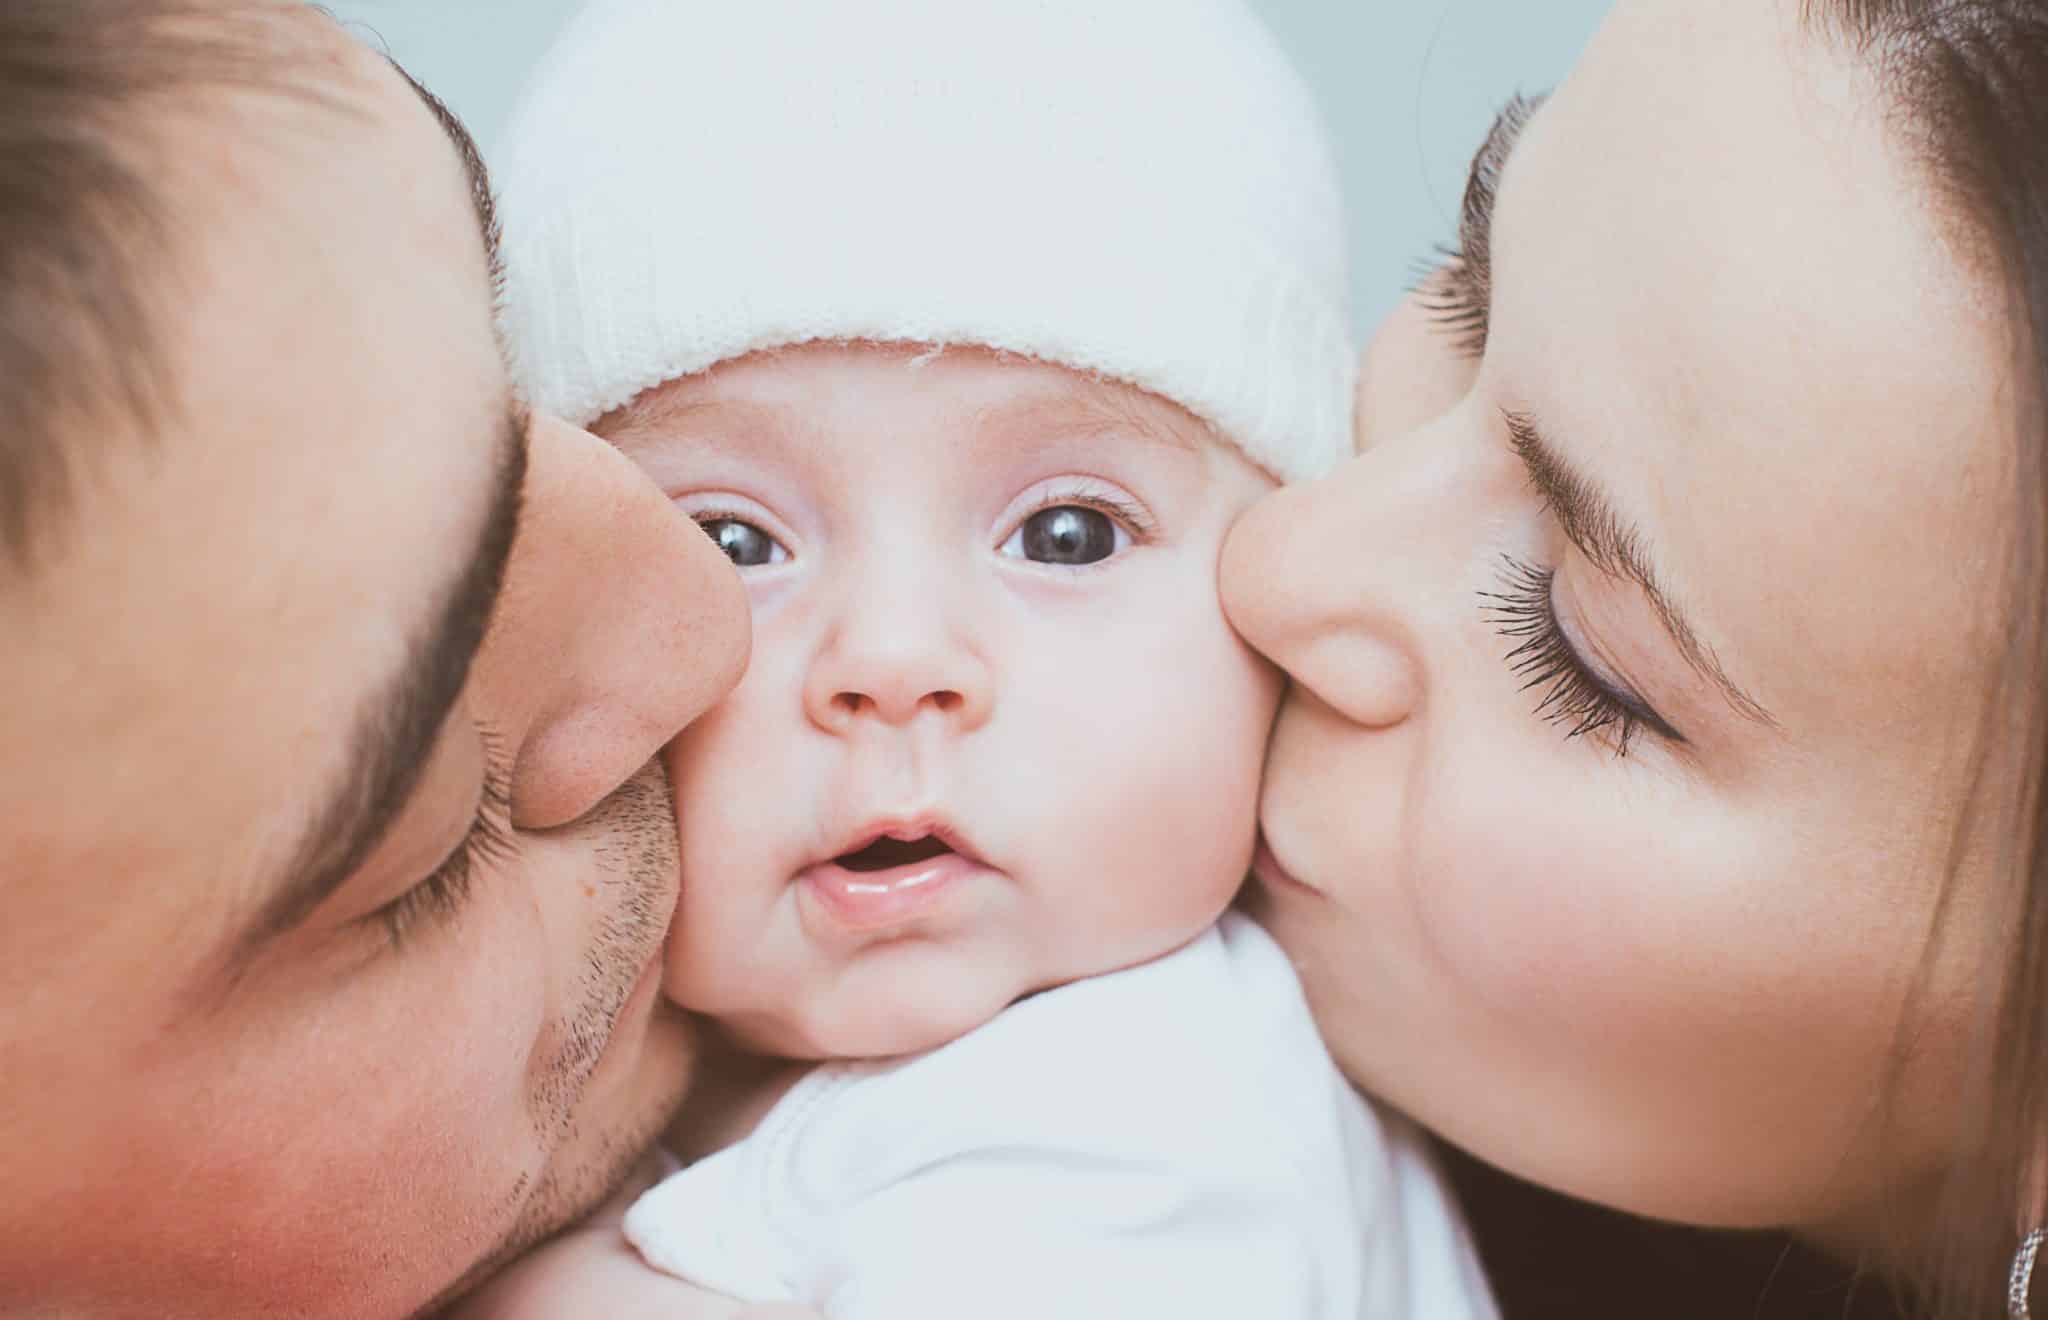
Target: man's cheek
[(345, 1164)]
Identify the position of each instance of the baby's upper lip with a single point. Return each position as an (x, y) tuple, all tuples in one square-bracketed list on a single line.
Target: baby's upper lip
[(905, 829)]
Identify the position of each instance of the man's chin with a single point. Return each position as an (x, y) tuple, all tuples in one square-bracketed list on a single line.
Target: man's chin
[(588, 1169)]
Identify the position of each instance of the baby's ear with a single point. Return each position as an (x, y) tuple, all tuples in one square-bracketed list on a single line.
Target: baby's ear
[(1411, 373)]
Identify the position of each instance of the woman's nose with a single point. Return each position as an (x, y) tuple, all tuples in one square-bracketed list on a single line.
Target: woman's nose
[(620, 622), (1345, 582), (1298, 584), (898, 649)]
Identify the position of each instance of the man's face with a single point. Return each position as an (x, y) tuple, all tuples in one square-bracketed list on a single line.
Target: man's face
[(243, 669)]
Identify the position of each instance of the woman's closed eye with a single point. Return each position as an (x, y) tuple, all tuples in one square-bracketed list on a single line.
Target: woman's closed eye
[(1573, 693)]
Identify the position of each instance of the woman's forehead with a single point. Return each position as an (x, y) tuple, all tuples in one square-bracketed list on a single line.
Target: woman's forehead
[(1724, 286)]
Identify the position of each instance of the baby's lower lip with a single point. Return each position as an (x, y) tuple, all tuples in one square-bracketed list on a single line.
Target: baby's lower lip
[(866, 902)]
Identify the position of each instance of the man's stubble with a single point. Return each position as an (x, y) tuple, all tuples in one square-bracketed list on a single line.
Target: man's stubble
[(635, 862)]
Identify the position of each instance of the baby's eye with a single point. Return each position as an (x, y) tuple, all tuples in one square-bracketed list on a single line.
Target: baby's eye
[(1067, 534), (745, 544)]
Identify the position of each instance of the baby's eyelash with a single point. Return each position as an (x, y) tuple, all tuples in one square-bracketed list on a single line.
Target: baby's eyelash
[(1574, 696), (1102, 497)]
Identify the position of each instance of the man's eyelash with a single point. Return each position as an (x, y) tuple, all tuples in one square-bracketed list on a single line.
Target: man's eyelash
[(1575, 697), (489, 840)]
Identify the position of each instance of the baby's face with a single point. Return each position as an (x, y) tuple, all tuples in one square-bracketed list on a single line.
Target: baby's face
[(996, 734)]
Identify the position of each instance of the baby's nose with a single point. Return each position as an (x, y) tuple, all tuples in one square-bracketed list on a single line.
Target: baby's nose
[(892, 668)]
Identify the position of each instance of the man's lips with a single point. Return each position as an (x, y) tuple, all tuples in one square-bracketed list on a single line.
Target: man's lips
[(647, 984)]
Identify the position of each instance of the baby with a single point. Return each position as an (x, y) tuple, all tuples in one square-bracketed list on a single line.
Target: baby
[(966, 328)]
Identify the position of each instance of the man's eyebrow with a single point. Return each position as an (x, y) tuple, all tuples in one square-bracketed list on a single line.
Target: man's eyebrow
[(1616, 547), (398, 725)]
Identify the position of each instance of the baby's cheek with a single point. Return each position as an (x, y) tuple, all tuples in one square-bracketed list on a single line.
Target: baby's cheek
[(725, 809), (1184, 827)]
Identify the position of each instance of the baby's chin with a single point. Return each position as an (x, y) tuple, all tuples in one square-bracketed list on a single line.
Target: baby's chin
[(871, 1026)]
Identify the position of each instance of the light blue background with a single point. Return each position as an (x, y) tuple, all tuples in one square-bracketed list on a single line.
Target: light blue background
[(1408, 89)]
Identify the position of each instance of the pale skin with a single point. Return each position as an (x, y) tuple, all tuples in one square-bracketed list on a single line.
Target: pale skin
[(1670, 982), (349, 1108), (1465, 863), (926, 649), (1727, 301)]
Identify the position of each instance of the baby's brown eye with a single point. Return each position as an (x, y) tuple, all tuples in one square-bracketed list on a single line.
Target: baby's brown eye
[(1069, 534), (745, 544)]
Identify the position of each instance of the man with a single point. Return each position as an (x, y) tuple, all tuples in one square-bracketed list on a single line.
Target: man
[(334, 856)]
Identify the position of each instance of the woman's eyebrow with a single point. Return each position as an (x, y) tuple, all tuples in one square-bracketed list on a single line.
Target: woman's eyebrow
[(1617, 548), (1482, 189)]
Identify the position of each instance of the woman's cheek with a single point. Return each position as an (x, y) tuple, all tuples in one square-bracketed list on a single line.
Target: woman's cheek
[(1536, 893)]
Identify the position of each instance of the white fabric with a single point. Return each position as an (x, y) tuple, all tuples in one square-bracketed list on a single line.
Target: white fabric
[(1168, 1141), (1136, 188)]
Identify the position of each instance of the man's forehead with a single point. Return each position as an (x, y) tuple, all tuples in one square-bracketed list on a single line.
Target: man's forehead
[(206, 653), (473, 167)]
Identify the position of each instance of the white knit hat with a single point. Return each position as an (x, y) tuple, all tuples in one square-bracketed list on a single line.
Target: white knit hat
[(1136, 188)]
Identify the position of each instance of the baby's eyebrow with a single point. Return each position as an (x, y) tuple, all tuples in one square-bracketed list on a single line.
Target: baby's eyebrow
[(737, 424), (1085, 413)]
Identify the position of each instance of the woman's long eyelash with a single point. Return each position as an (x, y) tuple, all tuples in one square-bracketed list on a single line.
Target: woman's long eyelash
[(1457, 287), (442, 894), (1574, 697), (1450, 291)]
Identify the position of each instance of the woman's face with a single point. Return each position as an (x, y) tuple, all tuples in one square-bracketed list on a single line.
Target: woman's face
[(1637, 662)]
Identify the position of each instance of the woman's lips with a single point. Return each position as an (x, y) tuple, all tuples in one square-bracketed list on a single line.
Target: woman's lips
[(1270, 873), (869, 902)]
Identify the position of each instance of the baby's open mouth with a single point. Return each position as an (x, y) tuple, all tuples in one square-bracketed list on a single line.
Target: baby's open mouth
[(886, 853)]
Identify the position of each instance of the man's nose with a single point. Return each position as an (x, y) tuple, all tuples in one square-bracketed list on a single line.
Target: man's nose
[(620, 622), (899, 648)]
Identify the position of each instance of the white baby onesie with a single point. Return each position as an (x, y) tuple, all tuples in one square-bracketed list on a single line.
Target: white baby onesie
[(1169, 1141)]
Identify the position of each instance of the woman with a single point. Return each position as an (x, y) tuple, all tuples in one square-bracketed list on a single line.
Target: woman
[(1655, 813)]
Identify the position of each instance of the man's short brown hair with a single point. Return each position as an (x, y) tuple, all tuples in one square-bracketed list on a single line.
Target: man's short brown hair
[(85, 235)]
